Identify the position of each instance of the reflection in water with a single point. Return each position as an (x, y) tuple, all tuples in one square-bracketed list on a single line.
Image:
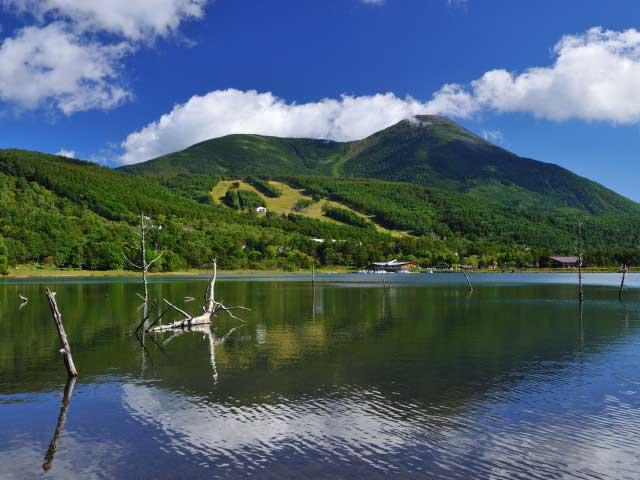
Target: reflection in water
[(331, 380), (62, 419)]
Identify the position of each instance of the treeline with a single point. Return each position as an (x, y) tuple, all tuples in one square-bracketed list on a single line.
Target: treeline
[(345, 216), (264, 187), (526, 232), (240, 199)]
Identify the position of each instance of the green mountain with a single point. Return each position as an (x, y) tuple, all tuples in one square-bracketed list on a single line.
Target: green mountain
[(428, 150), (434, 192)]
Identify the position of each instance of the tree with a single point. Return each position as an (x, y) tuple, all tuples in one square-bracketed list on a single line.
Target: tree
[(4, 259), (145, 264)]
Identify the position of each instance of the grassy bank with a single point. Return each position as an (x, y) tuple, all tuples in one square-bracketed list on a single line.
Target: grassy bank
[(29, 271), (33, 271)]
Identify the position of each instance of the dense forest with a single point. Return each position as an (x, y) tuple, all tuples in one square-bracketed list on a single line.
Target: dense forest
[(64, 213)]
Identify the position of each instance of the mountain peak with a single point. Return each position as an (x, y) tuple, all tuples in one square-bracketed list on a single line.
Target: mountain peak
[(429, 150)]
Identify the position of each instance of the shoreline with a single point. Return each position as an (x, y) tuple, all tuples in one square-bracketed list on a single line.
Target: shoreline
[(34, 272)]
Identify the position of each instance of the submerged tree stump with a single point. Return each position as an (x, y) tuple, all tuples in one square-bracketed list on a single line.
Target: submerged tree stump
[(210, 308), (65, 349), (468, 281)]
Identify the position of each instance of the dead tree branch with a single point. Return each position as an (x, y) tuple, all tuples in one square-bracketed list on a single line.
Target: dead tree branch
[(145, 318), (144, 265), (210, 309), (66, 349)]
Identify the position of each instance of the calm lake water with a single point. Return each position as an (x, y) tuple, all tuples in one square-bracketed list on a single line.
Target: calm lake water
[(348, 379)]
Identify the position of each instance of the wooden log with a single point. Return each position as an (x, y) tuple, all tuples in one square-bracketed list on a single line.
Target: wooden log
[(468, 281), (210, 309), (625, 269), (66, 349), (62, 418), (145, 317), (152, 324)]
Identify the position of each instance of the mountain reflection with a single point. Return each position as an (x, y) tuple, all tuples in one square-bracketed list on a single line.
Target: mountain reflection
[(409, 380)]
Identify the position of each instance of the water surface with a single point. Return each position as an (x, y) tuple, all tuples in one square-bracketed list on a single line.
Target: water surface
[(351, 379)]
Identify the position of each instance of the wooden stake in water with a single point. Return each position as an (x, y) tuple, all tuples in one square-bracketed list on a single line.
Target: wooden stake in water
[(468, 281), (625, 269), (580, 291), (66, 349)]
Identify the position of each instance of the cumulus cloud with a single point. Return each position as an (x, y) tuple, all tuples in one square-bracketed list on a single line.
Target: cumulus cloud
[(373, 2), (52, 64), (66, 153), (61, 62), (223, 112), (595, 76), (133, 19)]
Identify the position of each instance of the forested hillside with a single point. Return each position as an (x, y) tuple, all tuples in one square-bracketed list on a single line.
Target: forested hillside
[(428, 150), (67, 213), (424, 190)]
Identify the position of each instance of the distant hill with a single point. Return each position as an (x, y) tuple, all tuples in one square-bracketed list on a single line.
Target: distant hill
[(428, 150)]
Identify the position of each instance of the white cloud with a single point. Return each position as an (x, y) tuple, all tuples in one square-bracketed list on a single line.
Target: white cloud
[(494, 136), (52, 64), (223, 112), (373, 2), (595, 76), (66, 153), (61, 62), (133, 19)]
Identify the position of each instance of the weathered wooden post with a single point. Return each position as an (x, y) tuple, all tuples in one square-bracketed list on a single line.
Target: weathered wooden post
[(468, 281), (66, 349), (625, 269), (580, 291)]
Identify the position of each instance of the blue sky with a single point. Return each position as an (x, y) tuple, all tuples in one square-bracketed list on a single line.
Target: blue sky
[(120, 81)]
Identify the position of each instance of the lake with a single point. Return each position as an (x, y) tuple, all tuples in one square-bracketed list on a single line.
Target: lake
[(350, 378)]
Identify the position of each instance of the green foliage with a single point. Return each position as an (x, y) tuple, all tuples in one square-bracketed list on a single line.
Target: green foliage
[(467, 202), (193, 186), (499, 232), (231, 199), (4, 259), (241, 199), (346, 216), (72, 214), (302, 204), (428, 150), (249, 200), (264, 187)]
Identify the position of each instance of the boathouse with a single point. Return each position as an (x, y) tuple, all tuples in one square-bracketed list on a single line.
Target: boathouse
[(392, 266), (563, 262)]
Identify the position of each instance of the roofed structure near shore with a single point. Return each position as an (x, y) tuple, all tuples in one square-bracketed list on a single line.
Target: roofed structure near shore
[(392, 266), (564, 262)]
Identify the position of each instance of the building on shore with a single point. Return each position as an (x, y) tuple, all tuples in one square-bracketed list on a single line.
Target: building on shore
[(394, 266), (563, 262)]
